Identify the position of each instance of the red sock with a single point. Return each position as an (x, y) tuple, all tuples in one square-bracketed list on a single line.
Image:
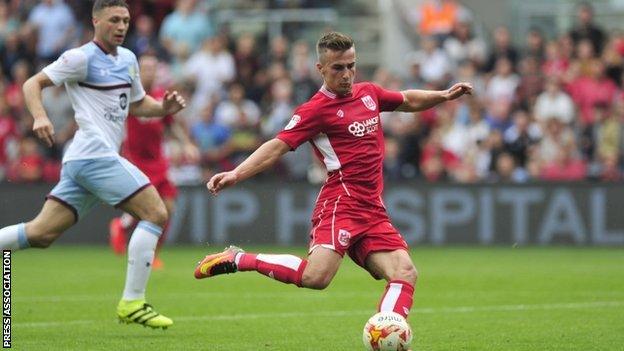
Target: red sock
[(285, 268), (398, 297)]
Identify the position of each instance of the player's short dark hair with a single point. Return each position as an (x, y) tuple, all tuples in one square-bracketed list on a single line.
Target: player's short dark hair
[(102, 4), (334, 41)]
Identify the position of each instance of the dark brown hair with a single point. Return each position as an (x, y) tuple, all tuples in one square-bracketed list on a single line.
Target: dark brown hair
[(333, 41), (102, 4)]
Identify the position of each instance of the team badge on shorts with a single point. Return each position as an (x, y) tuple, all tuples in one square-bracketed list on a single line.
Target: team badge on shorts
[(369, 103), (344, 237)]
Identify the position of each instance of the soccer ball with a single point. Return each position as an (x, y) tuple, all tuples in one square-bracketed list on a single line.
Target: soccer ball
[(387, 331)]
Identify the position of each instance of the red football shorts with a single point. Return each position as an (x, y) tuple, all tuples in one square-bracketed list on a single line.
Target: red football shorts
[(347, 226)]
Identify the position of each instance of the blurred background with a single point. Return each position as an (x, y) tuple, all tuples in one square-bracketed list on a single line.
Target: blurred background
[(534, 156)]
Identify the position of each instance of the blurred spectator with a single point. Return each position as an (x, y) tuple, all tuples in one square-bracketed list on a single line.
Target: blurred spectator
[(462, 45), (437, 17), (185, 29), (556, 137), (12, 52), (555, 62), (554, 103), (435, 66), (213, 140), (28, 167), (242, 116), (278, 52), (503, 48), (586, 92), (13, 93), (56, 24), (303, 72), (531, 82), (565, 167), (502, 86), (613, 59), (209, 69), (8, 23), (247, 61), (8, 135), (281, 110), (535, 45), (144, 39), (507, 171), (586, 29), (521, 137)]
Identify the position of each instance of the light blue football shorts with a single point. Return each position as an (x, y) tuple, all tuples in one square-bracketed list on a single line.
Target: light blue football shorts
[(84, 183)]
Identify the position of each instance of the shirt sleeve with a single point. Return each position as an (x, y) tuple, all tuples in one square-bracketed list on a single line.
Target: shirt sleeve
[(303, 126), (70, 67), (388, 100), (137, 92)]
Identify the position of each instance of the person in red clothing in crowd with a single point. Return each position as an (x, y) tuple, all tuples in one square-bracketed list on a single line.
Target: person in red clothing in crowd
[(143, 147), (342, 123)]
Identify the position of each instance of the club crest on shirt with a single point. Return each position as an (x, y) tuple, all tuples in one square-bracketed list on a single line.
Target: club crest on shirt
[(344, 237), (369, 103), (293, 122)]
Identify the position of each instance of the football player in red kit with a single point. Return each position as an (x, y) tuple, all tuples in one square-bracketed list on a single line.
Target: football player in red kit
[(143, 147), (342, 123)]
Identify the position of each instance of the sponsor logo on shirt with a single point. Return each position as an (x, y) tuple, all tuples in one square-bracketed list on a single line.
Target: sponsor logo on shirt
[(344, 237), (293, 122), (369, 103), (114, 114), (359, 129), (340, 113)]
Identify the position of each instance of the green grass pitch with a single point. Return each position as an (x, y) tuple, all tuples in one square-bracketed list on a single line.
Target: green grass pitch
[(478, 299)]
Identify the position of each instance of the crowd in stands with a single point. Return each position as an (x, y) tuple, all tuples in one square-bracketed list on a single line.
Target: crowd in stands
[(546, 109)]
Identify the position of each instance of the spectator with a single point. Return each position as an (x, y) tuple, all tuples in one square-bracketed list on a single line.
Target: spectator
[(502, 86), (28, 167), (555, 62), (209, 69), (521, 137), (435, 66), (437, 17), (242, 116), (535, 45), (554, 103), (55, 25), (586, 92), (8, 23), (586, 29), (507, 171), (185, 29), (8, 135), (503, 48), (144, 40), (213, 140), (462, 45)]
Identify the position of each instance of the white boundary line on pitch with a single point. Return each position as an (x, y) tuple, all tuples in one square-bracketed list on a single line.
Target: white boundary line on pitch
[(464, 309)]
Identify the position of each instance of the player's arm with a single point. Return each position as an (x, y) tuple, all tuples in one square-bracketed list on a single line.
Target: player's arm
[(264, 157), (42, 127), (150, 107), (420, 100)]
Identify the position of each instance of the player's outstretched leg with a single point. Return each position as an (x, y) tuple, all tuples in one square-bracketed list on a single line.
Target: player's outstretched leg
[(397, 269), (285, 268)]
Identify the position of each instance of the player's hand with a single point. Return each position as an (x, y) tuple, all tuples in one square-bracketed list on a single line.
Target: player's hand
[(44, 130), (220, 181), (458, 90), (173, 102)]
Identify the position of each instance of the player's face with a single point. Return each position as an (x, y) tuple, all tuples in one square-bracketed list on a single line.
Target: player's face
[(338, 70), (111, 25)]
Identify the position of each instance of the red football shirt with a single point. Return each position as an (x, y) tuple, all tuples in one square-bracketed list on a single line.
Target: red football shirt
[(347, 137), (145, 136)]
